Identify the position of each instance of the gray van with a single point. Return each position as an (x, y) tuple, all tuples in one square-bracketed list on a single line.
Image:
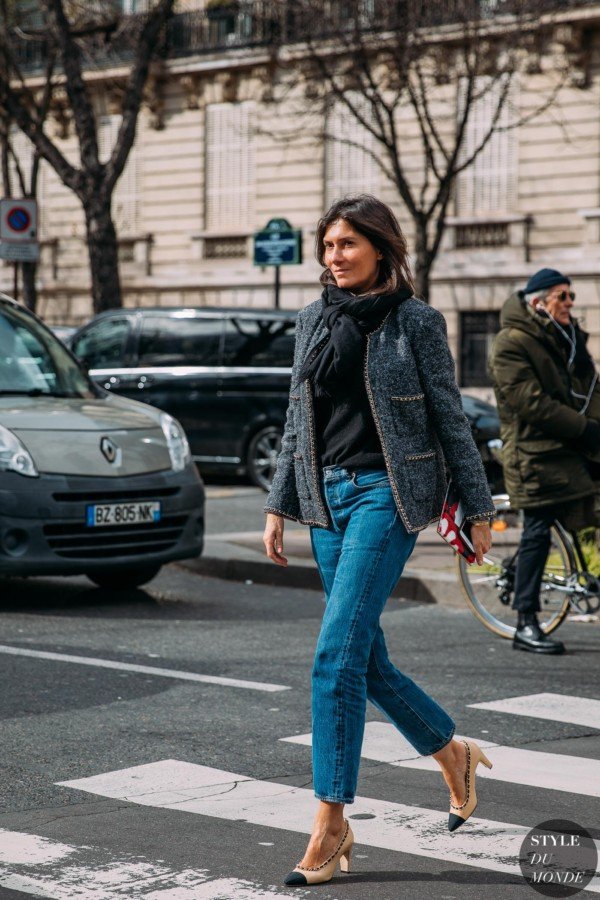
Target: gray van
[(90, 483)]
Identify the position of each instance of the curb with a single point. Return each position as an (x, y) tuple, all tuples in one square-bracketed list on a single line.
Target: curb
[(222, 560)]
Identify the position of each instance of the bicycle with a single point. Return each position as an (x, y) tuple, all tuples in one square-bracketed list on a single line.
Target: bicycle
[(566, 582)]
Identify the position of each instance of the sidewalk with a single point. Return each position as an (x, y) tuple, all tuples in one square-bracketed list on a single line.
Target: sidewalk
[(239, 556)]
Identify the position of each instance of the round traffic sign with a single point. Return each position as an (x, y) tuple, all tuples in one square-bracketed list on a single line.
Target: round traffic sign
[(18, 219)]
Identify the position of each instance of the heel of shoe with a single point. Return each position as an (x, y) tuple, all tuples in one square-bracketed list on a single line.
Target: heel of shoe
[(483, 758), (345, 859)]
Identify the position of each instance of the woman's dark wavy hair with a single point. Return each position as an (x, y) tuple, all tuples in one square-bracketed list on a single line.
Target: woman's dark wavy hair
[(376, 221)]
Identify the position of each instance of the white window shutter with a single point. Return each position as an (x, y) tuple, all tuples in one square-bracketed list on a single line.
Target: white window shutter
[(126, 195), (350, 167), (489, 184), (229, 167), (23, 150)]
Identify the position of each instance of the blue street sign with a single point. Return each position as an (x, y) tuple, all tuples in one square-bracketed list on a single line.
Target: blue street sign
[(278, 244)]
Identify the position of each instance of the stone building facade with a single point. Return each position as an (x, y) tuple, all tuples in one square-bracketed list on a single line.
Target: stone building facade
[(205, 173)]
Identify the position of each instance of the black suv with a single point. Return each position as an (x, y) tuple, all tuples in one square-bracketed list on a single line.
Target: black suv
[(223, 372)]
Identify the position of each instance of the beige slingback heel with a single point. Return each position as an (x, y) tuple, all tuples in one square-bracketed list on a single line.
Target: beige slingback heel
[(302, 875), (459, 814)]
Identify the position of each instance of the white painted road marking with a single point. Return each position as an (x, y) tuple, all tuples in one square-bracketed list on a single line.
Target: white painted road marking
[(172, 784), (179, 675), (382, 742), (554, 707), (42, 867), (552, 771)]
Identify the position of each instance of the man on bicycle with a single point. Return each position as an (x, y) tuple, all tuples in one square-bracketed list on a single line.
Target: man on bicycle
[(548, 398)]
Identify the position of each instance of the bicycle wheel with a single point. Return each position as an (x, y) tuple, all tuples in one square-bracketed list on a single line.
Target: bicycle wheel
[(489, 588)]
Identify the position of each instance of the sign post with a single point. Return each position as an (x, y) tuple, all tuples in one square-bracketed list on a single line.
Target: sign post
[(278, 244), (18, 233)]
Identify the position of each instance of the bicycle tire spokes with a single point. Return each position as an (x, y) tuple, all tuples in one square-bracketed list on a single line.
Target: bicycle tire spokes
[(489, 589)]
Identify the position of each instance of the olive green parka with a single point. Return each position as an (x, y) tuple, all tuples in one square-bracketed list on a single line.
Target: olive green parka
[(540, 422)]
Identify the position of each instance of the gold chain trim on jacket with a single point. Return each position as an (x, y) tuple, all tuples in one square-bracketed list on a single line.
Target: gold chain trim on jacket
[(388, 464), (412, 397), (313, 455)]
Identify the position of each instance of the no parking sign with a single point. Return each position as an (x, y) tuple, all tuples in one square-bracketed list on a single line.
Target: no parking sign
[(18, 230), (18, 220)]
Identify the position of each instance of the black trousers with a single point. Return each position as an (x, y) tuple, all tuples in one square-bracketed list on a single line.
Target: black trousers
[(533, 552)]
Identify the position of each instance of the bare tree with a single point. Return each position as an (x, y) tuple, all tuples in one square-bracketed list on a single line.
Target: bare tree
[(404, 70), (20, 177), (72, 32)]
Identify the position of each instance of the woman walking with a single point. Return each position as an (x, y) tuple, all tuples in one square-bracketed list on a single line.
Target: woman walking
[(374, 411)]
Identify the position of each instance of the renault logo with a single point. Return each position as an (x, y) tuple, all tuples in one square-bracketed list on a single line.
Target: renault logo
[(110, 451)]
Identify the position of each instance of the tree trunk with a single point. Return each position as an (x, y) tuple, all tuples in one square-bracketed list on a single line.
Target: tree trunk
[(423, 262), (104, 256), (29, 276)]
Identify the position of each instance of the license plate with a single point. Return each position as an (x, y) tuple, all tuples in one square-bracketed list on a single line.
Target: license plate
[(101, 515)]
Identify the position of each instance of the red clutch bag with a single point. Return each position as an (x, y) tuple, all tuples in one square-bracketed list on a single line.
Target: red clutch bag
[(452, 526)]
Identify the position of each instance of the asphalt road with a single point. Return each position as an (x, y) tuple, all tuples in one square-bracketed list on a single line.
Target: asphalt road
[(174, 816)]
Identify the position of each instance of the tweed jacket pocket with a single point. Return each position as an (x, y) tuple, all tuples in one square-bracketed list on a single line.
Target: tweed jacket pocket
[(409, 414), (421, 469)]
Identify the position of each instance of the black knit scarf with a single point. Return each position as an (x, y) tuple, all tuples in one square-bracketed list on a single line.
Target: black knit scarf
[(337, 358)]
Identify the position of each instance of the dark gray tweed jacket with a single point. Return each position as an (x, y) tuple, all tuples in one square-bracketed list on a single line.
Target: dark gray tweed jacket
[(416, 405)]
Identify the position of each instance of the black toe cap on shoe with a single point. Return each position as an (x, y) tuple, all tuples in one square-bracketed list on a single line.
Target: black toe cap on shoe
[(454, 822), (296, 878)]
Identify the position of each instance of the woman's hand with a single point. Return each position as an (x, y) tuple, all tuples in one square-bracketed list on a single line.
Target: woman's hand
[(481, 538), (273, 539)]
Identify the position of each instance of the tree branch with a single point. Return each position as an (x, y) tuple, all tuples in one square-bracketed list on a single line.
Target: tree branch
[(133, 94), (83, 113)]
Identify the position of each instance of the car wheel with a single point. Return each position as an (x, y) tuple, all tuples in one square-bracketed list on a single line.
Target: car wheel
[(124, 579), (261, 458)]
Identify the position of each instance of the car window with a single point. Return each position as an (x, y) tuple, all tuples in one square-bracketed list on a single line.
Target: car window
[(103, 343), (265, 342), (180, 341), (33, 361)]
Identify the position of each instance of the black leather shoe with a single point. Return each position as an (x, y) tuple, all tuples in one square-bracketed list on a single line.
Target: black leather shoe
[(529, 636)]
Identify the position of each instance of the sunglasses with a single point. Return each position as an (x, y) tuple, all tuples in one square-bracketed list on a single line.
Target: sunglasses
[(563, 296)]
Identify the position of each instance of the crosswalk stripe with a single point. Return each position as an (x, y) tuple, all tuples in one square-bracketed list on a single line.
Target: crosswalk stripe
[(553, 771), (554, 707), (43, 867), (173, 784), (179, 675)]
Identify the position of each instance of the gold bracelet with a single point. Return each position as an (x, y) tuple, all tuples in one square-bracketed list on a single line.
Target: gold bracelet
[(480, 523)]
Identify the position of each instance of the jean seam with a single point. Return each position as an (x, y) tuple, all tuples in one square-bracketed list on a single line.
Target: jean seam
[(443, 744), (402, 700), (360, 606)]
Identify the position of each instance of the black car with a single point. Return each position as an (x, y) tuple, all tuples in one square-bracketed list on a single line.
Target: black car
[(485, 425), (224, 373)]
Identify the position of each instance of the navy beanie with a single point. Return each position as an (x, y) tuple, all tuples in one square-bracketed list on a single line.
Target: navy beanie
[(545, 279)]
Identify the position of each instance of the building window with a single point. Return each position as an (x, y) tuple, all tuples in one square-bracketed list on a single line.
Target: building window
[(477, 331), (229, 167), (489, 184), (130, 7), (259, 344), (22, 149), (350, 167), (126, 195)]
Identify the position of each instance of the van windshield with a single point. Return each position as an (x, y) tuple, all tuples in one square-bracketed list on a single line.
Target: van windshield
[(33, 362)]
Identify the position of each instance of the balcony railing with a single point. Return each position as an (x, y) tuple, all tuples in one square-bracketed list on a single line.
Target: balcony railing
[(261, 23)]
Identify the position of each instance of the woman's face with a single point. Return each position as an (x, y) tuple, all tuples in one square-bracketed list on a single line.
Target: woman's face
[(351, 257)]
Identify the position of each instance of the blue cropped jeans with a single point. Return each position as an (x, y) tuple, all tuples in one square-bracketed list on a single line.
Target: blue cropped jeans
[(360, 560)]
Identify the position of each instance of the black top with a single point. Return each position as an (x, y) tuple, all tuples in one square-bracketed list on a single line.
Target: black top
[(345, 429)]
